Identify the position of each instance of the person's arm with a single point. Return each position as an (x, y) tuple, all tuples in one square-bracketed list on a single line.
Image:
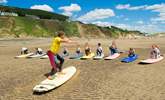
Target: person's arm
[(66, 40)]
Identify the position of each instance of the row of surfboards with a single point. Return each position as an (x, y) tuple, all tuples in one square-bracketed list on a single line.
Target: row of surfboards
[(92, 56), (59, 79)]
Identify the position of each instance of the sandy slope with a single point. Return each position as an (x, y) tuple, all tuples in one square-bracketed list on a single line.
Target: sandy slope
[(95, 80)]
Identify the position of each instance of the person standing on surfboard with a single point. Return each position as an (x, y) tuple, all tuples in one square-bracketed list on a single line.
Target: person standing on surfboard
[(113, 48), (54, 50), (99, 50), (155, 52)]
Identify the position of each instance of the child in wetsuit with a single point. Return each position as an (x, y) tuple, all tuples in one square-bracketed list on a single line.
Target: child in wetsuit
[(24, 50), (65, 52), (113, 48), (131, 52), (39, 51), (155, 52), (99, 50), (78, 51), (87, 49)]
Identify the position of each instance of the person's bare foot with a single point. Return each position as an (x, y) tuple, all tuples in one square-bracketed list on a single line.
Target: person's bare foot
[(50, 77)]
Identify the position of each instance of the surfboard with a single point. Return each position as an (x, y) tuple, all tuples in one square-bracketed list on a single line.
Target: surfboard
[(44, 57), (76, 56), (88, 57), (111, 57), (151, 61), (129, 59), (24, 55), (98, 57), (58, 80), (36, 55)]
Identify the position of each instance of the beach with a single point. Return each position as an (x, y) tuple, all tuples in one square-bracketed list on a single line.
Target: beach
[(94, 80)]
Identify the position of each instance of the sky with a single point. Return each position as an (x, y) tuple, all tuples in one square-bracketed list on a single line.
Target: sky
[(143, 15)]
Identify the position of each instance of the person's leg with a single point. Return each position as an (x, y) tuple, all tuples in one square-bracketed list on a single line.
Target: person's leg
[(52, 60), (86, 52), (112, 51), (61, 62), (116, 50), (26, 51), (40, 52), (21, 52), (99, 53)]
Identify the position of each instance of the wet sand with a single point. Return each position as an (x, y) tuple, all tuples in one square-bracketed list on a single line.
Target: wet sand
[(94, 80)]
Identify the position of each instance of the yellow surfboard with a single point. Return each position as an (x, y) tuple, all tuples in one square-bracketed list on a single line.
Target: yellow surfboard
[(89, 56)]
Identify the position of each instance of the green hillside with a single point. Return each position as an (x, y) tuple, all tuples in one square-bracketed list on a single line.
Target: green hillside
[(49, 23)]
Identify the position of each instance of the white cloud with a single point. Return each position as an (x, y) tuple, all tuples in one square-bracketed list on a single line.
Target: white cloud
[(67, 13), (100, 23), (42, 7), (68, 10), (160, 8), (3, 1), (120, 6), (157, 7), (148, 28), (71, 8), (97, 14), (128, 7)]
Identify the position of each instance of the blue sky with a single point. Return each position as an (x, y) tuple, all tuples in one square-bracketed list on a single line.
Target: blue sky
[(144, 15)]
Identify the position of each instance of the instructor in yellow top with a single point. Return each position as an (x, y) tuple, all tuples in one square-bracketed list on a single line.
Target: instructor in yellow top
[(56, 60)]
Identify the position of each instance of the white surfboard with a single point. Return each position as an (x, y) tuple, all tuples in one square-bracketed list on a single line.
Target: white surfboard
[(111, 57), (98, 57), (59, 79), (44, 57), (24, 55), (151, 61), (36, 55)]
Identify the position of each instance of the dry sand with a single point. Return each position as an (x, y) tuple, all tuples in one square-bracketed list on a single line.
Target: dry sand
[(94, 80)]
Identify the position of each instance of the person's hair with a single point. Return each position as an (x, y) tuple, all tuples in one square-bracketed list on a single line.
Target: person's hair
[(131, 49), (154, 45), (99, 44), (60, 33)]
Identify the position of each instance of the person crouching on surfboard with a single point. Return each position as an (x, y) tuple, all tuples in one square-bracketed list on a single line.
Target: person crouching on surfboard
[(54, 50), (131, 52), (113, 48), (65, 52), (87, 49), (24, 50), (78, 50), (99, 50), (155, 52), (39, 51)]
